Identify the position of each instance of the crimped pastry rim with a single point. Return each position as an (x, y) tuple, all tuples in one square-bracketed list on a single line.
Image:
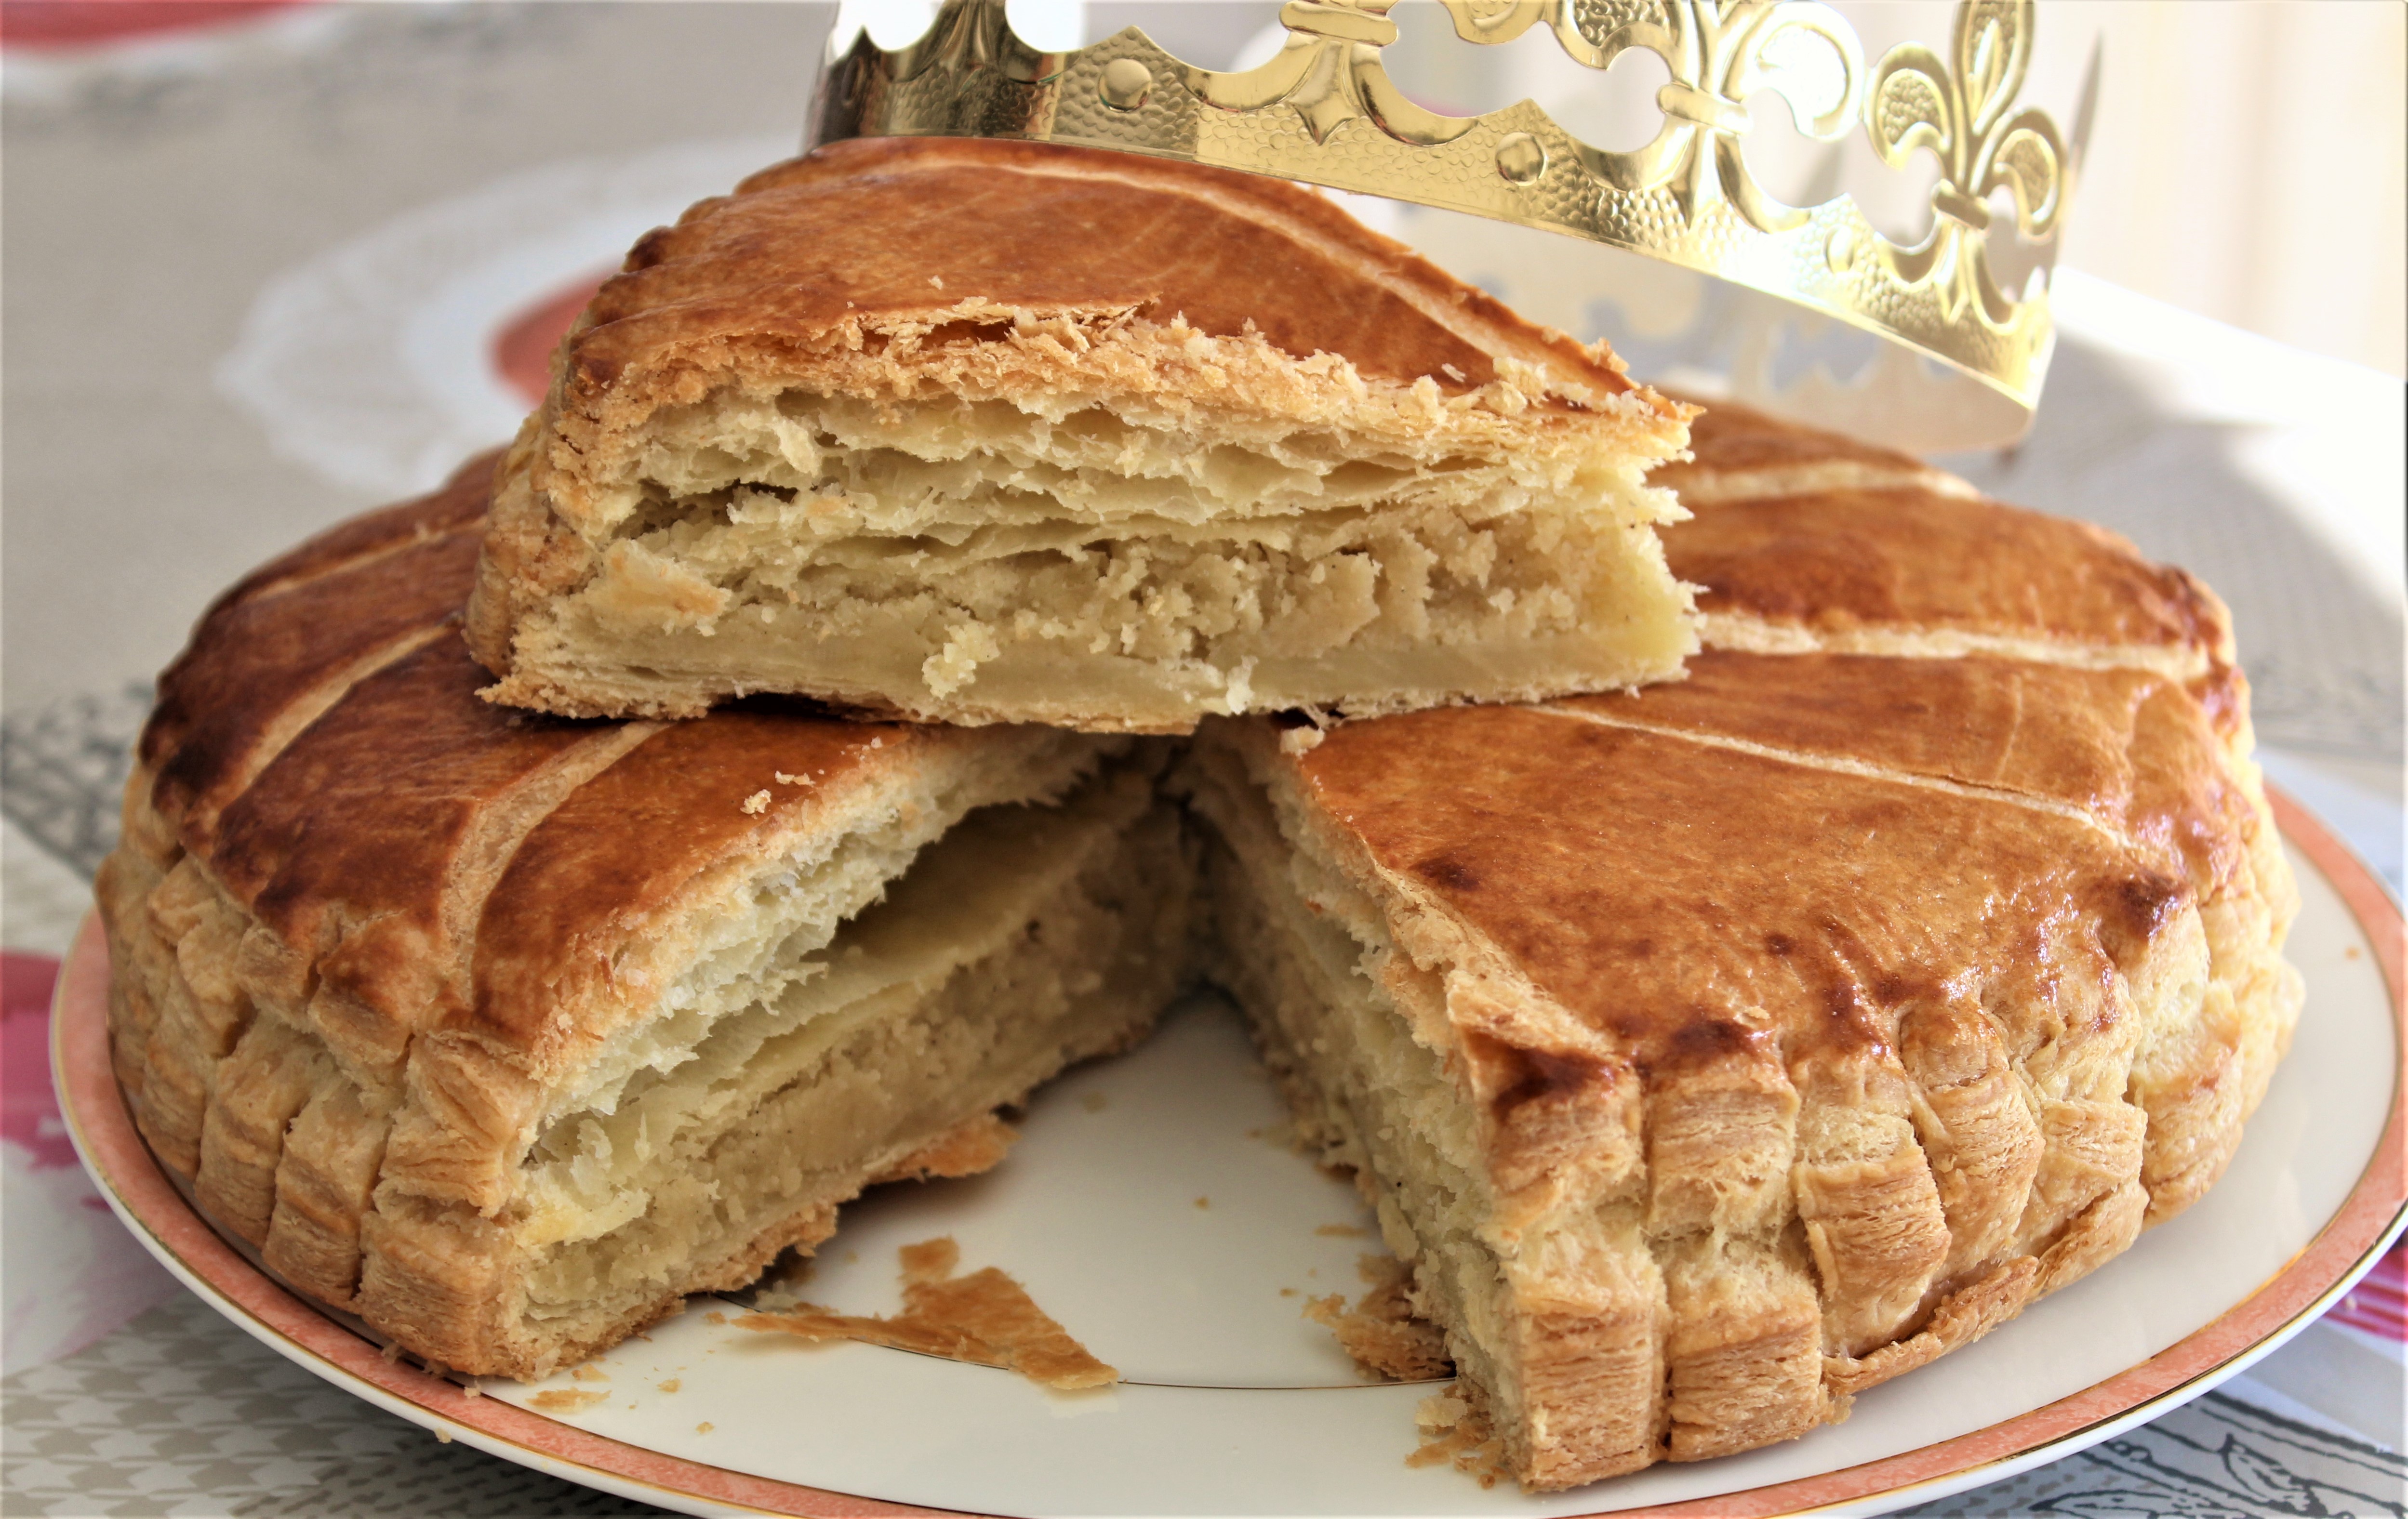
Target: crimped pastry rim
[(307, 1333), (2370, 1217)]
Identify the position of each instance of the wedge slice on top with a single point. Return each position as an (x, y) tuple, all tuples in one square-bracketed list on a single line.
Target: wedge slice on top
[(979, 432)]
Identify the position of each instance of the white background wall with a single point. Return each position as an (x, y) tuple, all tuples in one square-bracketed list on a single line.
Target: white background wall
[(2248, 163)]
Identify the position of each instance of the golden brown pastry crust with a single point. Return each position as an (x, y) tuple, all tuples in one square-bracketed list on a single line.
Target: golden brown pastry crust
[(1805, 540), (955, 217), (1738, 451), (1870, 993)]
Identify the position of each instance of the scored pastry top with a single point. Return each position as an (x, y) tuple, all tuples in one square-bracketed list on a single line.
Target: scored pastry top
[(865, 234), (1893, 968), (1914, 558), (1923, 811), (1739, 451), (1596, 849), (1814, 539), (2145, 757)]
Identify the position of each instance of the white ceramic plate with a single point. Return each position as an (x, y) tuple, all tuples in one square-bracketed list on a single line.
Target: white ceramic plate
[(1153, 1208)]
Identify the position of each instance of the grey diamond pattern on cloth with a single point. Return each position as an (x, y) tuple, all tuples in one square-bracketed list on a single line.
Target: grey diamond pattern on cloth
[(179, 1412), (2215, 1458), (63, 771)]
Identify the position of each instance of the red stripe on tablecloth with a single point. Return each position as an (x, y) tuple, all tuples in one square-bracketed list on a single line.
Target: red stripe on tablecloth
[(29, 1108), (2379, 1303), (82, 23)]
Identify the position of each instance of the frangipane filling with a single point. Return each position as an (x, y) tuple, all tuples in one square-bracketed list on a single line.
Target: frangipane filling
[(1370, 1095), (800, 1060), (945, 543)]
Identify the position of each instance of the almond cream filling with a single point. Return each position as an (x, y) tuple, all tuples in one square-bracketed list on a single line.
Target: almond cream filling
[(1019, 940), (949, 550)]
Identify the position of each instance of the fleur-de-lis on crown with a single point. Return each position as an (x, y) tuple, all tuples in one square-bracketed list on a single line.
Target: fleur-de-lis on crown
[(1330, 73), (1916, 101), (1720, 53)]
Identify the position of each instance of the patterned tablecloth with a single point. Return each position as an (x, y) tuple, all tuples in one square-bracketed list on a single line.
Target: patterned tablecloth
[(271, 262)]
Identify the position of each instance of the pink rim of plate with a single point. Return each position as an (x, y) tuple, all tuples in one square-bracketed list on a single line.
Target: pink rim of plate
[(118, 1160)]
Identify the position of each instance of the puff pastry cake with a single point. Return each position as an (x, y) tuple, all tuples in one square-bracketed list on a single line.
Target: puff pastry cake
[(1716, 1051), (507, 1032), (1720, 1051), (979, 432), (1711, 1054)]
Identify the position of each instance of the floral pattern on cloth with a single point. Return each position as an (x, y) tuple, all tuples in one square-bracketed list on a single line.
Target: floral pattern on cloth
[(69, 1273)]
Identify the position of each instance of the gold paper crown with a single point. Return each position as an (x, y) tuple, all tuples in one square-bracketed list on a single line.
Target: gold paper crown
[(1324, 110)]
